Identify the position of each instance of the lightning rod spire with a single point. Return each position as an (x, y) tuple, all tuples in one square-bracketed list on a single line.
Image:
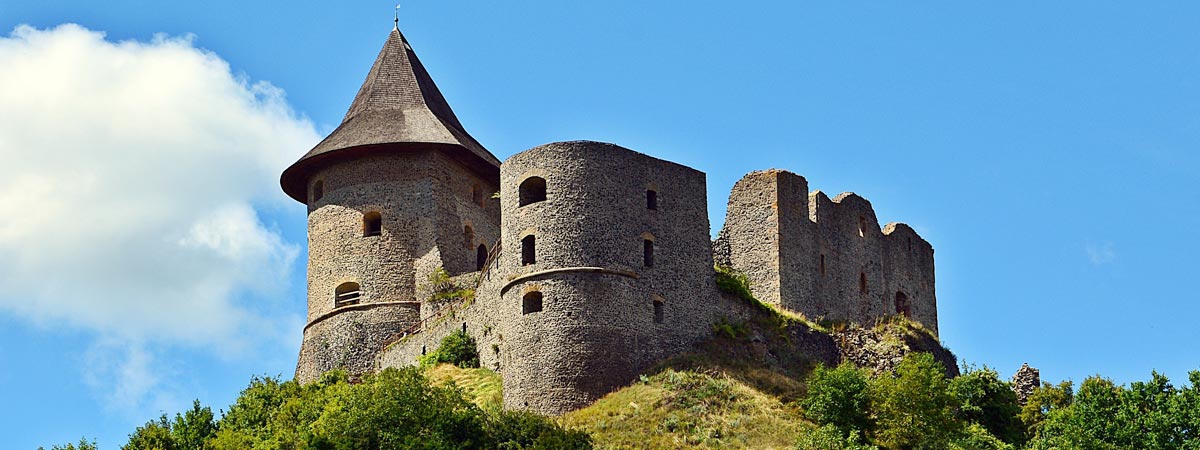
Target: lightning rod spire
[(397, 19)]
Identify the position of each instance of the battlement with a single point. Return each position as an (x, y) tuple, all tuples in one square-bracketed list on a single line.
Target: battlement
[(838, 264)]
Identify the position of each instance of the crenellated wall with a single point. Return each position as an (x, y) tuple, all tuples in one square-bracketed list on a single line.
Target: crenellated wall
[(826, 258)]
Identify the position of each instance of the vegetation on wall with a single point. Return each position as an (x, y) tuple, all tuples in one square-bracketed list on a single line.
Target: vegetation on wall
[(444, 288), (458, 348)]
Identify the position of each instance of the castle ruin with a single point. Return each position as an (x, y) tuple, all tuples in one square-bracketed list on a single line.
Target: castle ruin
[(594, 261)]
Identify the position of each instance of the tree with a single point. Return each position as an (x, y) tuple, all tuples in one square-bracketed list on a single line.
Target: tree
[(1042, 401), (154, 435), (914, 408), (1146, 415), (84, 444), (392, 409), (985, 399), (193, 427), (838, 397)]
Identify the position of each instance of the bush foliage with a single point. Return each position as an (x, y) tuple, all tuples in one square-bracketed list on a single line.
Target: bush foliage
[(458, 348), (394, 409), (916, 407)]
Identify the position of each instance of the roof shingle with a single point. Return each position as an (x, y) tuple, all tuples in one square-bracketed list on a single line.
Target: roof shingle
[(397, 106)]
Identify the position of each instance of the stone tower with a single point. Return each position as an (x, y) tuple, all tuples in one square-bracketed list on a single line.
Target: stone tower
[(396, 192), (827, 258), (607, 268)]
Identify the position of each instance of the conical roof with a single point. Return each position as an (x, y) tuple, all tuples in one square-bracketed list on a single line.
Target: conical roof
[(398, 108)]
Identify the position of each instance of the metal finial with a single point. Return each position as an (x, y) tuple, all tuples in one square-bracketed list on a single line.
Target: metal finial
[(397, 19)]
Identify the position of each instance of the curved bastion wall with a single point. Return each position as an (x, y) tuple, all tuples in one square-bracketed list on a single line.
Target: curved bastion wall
[(617, 275)]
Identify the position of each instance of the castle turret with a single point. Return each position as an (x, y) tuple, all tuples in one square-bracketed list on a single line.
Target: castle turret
[(608, 267), (397, 191)]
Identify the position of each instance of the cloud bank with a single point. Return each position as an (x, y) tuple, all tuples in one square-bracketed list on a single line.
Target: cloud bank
[(130, 173)]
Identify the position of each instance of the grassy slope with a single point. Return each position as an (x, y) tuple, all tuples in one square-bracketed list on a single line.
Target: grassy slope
[(482, 386), (719, 396), (672, 409), (675, 409)]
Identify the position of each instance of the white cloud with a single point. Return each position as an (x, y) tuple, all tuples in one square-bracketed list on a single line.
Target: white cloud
[(129, 175), (1100, 254)]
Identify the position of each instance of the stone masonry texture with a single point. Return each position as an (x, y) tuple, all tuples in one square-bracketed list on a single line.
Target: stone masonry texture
[(603, 269), (824, 258), (425, 201)]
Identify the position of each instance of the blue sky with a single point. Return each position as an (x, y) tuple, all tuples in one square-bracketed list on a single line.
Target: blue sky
[(1047, 151)]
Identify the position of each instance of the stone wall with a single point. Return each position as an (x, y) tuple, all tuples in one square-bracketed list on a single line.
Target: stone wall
[(605, 313), (824, 258), (425, 201), (624, 280), (351, 338)]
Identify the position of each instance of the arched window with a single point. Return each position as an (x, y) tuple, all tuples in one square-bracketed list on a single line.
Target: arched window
[(481, 256), (647, 253), (346, 294), (372, 224), (318, 190), (902, 306), (862, 283), (532, 190), (652, 200), (531, 302), (468, 236), (528, 252), (658, 311)]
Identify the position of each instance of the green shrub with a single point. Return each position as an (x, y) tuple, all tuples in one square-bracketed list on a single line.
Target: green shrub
[(444, 288), (914, 408), (392, 409), (1042, 401), (188, 431), (733, 282), (829, 437), (723, 327), (983, 398), (976, 437), (83, 444), (458, 348), (838, 398), (525, 430)]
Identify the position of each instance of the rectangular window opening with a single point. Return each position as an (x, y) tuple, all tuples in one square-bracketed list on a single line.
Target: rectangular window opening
[(531, 302), (528, 250)]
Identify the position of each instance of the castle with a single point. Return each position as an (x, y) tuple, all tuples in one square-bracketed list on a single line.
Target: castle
[(592, 262)]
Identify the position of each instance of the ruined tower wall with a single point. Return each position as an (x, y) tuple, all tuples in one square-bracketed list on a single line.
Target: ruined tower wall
[(749, 240), (423, 206), (599, 324), (849, 235), (909, 260), (826, 258)]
